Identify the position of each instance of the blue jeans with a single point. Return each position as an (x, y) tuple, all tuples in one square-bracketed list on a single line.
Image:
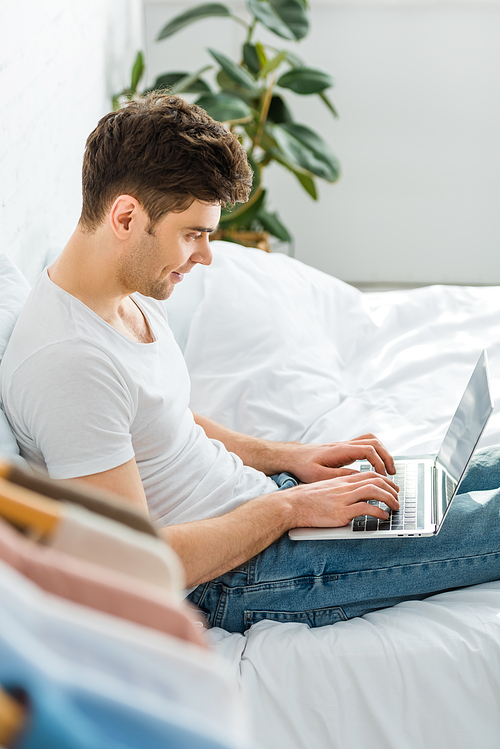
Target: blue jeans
[(323, 582)]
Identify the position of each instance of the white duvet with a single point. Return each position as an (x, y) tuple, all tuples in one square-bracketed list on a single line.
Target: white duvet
[(280, 350)]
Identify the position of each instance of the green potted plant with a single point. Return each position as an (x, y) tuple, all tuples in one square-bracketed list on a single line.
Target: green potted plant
[(249, 95)]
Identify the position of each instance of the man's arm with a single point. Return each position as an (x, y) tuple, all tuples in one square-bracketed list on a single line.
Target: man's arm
[(307, 462), (125, 481), (210, 547)]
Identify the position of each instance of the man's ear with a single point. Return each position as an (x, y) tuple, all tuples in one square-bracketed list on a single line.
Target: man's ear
[(126, 215)]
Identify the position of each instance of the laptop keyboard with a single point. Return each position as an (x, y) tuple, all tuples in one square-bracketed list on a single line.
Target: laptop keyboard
[(450, 488), (410, 516)]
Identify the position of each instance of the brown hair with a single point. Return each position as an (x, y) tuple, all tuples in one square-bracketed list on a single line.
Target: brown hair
[(164, 152)]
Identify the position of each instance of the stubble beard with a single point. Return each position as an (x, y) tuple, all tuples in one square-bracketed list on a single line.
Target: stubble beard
[(130, 272)]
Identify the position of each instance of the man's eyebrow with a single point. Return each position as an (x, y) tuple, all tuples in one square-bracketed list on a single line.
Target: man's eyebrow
[(202, 229)]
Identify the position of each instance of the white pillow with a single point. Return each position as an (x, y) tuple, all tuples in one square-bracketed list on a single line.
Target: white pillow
[(182, 304), (14, 290), (269, 343)]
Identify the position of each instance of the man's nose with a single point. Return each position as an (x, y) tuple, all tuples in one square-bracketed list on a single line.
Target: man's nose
[(203, 254)]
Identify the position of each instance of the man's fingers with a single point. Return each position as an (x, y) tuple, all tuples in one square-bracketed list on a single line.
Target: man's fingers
[(337, 472), (375, 489), (325, 473), (363, 508), (371, 454), (369, 477), (380, 453)]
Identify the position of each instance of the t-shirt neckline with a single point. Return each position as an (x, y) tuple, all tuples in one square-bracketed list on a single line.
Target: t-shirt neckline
[(134, 297)]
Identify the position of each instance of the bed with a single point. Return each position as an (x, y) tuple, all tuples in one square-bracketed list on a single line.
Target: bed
[(280, 350)]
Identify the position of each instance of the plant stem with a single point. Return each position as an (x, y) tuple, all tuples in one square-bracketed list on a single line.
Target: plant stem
[(251, 30), (240, 21), (266, 103)]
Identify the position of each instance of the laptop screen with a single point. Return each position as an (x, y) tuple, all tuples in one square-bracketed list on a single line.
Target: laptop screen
[(468, 422)]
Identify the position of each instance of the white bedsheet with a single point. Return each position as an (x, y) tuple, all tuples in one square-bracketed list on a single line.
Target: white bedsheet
[(280, 350), (422, 675), (283, 351)]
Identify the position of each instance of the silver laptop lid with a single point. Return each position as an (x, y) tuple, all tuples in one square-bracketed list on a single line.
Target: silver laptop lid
[(464, 432)]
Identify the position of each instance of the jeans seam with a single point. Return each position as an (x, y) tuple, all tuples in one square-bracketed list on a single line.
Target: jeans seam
[(284, 583), (203, 593), (427, 562), (251, 571), (333, 607), (311, 579), (221, 607), (249, 615)]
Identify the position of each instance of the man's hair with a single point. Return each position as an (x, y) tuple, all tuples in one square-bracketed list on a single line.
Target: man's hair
[(164, 152)]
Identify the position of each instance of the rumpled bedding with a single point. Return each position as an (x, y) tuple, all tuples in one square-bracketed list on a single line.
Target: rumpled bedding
[(283, 351), (421, 675)]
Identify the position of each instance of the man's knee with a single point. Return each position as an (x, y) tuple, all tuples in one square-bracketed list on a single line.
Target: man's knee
[(483, 471)]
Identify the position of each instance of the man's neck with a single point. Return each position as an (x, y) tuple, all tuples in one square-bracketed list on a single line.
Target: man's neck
[(86, 270)]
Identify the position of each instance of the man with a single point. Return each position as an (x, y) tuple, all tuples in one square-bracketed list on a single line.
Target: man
[(97, 391)]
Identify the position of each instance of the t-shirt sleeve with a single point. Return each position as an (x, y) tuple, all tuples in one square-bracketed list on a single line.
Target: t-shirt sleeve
[(74, 405)]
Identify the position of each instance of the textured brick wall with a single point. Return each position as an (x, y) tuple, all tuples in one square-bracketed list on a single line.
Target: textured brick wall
[(60, 62)]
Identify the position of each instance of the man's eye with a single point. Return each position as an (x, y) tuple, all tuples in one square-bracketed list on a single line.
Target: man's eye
[(195, 236)]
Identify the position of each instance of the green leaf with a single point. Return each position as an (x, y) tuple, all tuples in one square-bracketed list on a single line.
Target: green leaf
[(243, 218), (272, 64), (167, 80), (279, 111), (186, 84), (308, 183), (251, 58), (261, 52), (224, 107), (307, 149), (286, 18), (306, 80), (264, 13), (193, 14), (137, 71), (256, 174), (274, 226), (228, 86), (305, 178), (239, 75), (226, 83), (328, 103)]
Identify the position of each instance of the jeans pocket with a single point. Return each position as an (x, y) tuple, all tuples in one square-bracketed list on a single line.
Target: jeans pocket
[(313, 617)]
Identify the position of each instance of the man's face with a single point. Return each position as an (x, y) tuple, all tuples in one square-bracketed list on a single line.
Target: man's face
[(158, 260)]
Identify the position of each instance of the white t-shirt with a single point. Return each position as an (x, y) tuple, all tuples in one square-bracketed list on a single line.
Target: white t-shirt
[(82, 398)]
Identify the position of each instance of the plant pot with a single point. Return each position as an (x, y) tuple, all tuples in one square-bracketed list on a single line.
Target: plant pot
[(258, 239)]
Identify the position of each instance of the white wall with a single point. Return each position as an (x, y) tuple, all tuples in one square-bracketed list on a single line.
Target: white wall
[(60, 62), (418, 91)]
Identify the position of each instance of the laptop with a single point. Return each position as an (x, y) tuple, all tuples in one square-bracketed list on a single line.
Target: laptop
[(427, 484)]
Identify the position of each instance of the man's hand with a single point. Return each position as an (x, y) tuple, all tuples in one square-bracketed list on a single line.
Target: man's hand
[(335, 502), (311, 463), (210, 547), (308, 462)]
